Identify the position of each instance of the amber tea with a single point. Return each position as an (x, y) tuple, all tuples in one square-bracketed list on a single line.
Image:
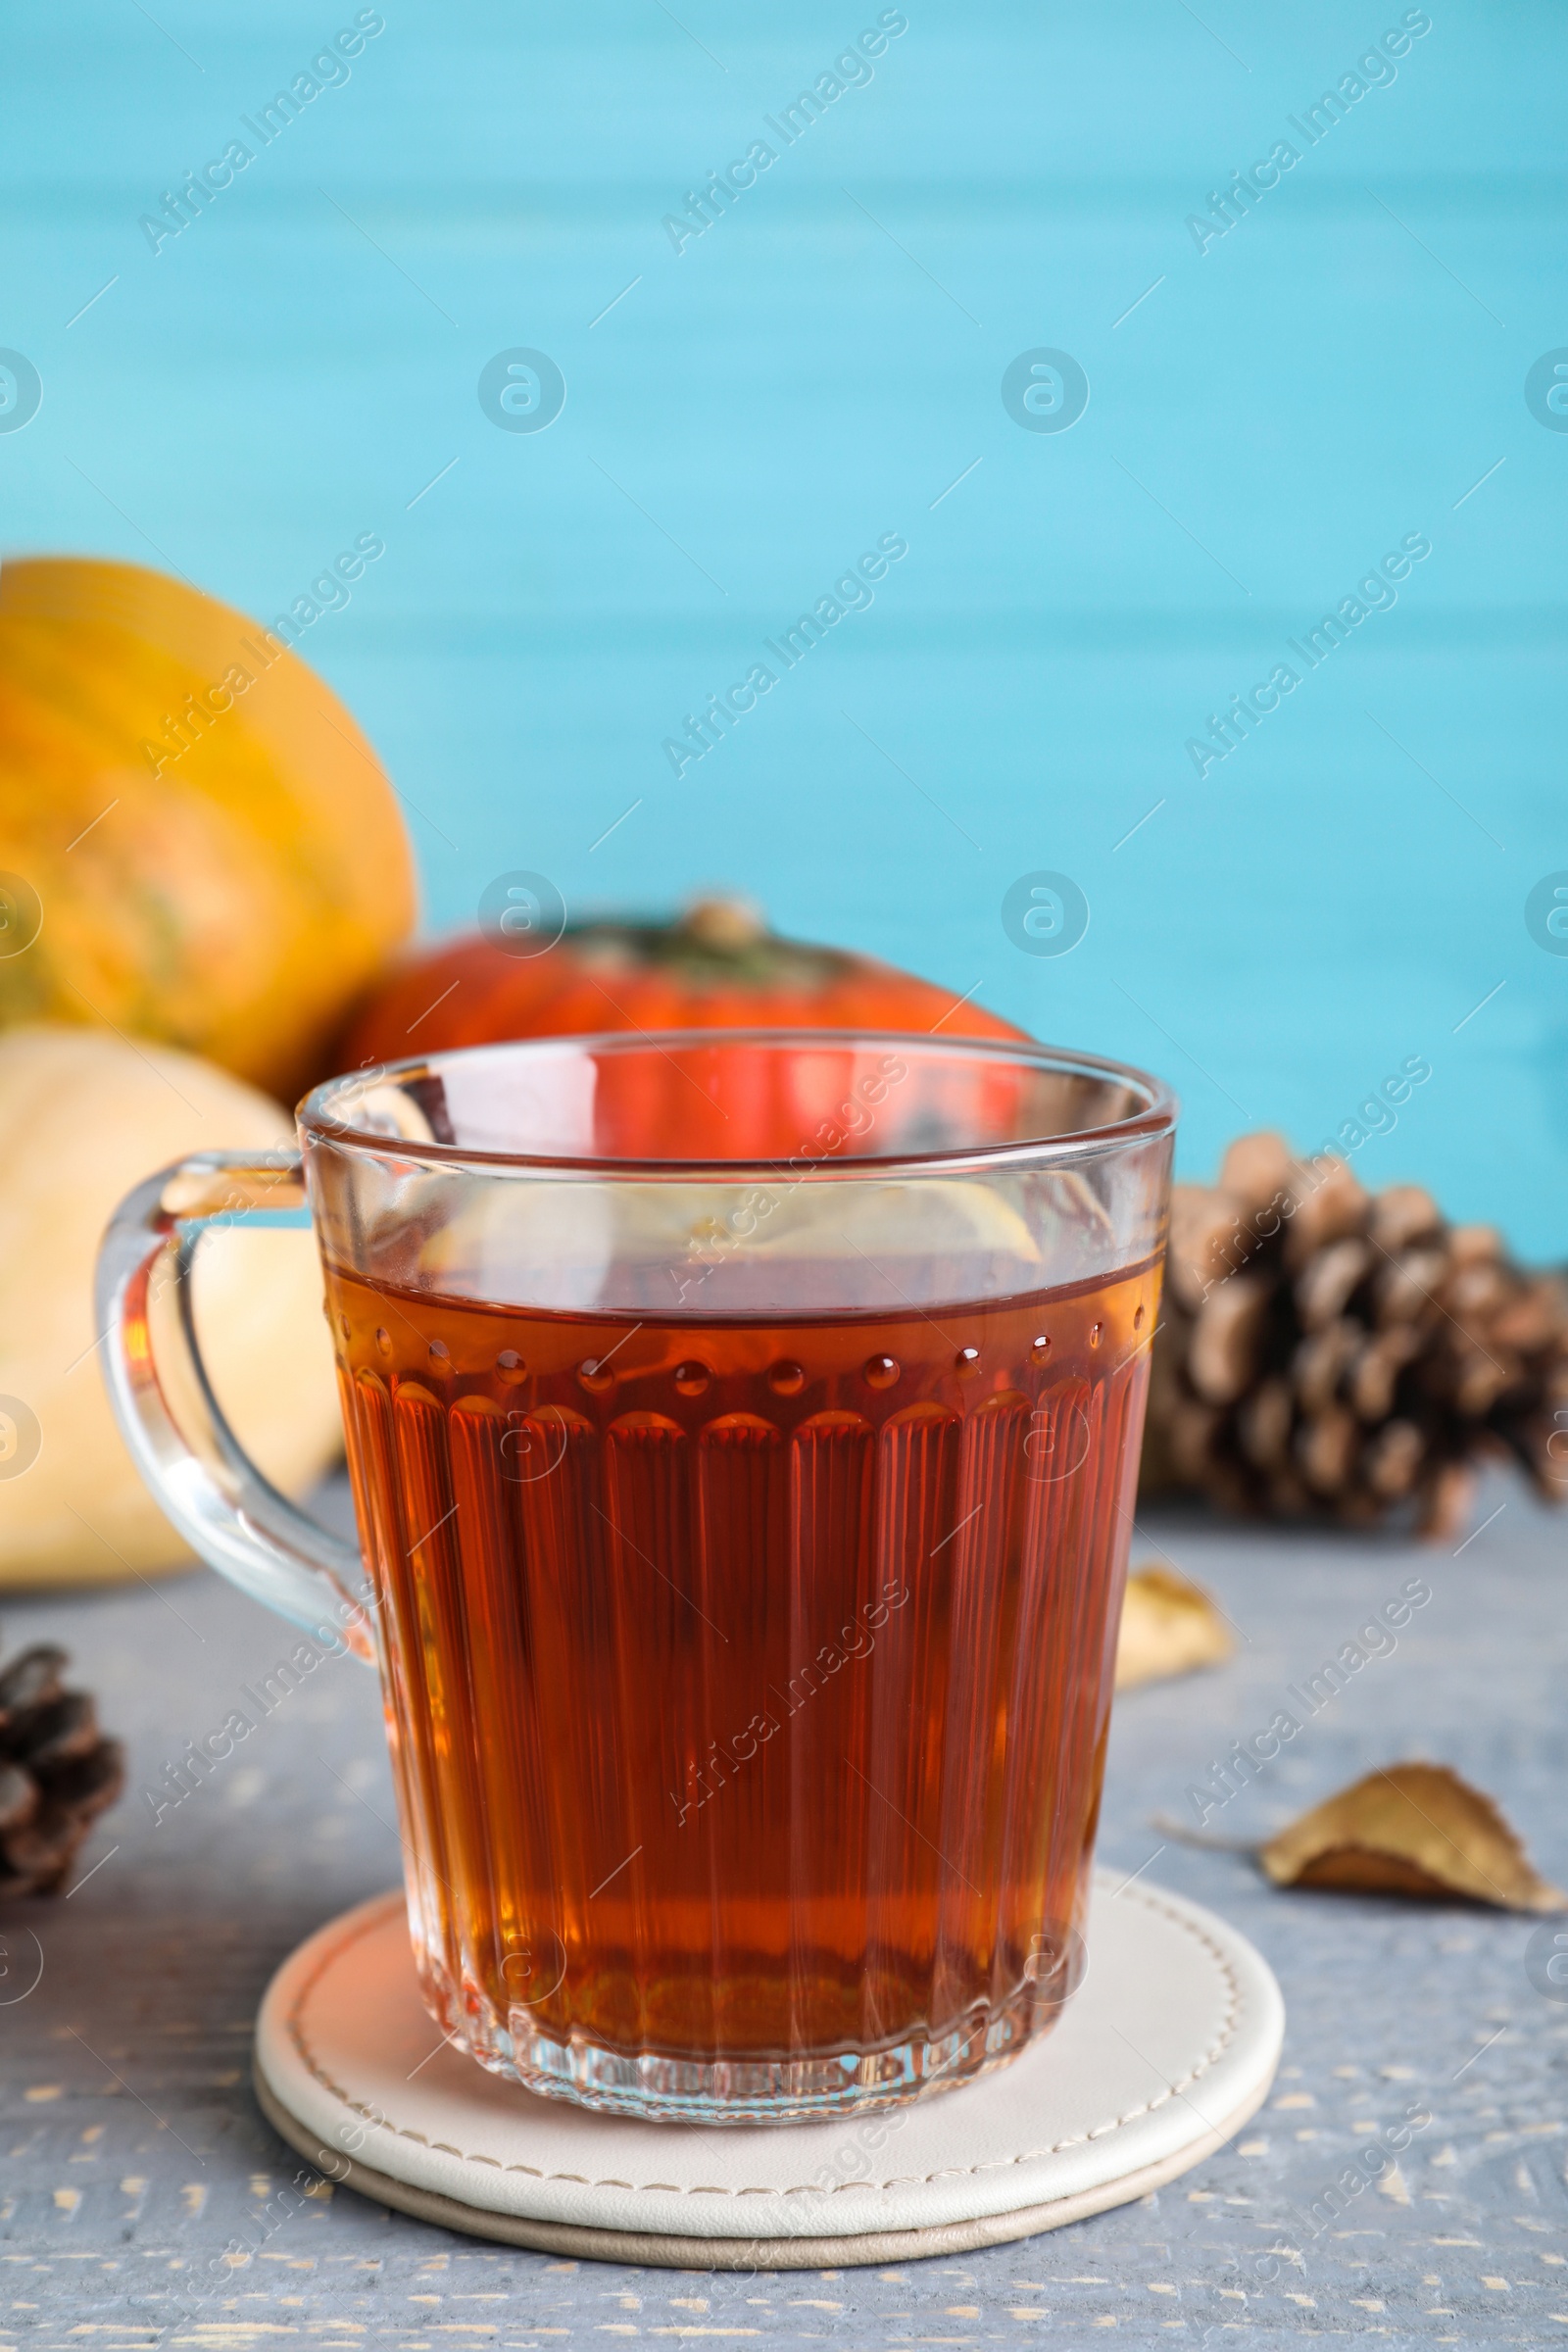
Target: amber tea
[(749, 1680)]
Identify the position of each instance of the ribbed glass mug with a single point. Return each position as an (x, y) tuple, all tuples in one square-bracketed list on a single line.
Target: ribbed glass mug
[(743, 1429)]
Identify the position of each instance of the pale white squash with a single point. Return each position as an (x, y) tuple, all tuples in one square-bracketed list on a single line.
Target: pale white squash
[(85, 1115)]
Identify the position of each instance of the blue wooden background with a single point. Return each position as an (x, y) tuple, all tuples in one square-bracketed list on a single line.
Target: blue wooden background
[(298, 363)]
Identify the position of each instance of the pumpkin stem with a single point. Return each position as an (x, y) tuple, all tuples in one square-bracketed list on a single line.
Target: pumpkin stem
[(725, 926)]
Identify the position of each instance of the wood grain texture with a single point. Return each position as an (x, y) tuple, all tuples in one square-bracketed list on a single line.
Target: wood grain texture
[(822, 366), (133, 2154)]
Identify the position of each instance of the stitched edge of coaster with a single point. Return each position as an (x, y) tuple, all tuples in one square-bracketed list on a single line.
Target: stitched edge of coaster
[(647, 2245), (367, 1922)]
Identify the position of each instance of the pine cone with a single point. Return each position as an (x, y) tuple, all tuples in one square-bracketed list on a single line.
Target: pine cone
[(57, 1774), (1329, 1352)]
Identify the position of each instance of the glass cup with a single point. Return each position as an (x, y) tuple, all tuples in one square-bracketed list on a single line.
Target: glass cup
[(743, 1429)]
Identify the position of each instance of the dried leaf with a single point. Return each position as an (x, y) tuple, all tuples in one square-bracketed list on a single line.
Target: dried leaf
[(1410, 1829), (1168, 1627)]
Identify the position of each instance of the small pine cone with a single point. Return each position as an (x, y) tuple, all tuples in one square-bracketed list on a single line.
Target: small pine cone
[(1331, 1352), (57, 1773)]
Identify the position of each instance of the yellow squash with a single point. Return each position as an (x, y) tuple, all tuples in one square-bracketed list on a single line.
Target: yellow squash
[(83, 1117), (197, 843)]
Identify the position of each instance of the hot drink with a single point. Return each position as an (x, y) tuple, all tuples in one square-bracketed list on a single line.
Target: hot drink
[(748, 1680), (743, 1429)]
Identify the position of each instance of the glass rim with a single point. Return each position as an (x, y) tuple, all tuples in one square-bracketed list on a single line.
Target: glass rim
[(1155, 1116)]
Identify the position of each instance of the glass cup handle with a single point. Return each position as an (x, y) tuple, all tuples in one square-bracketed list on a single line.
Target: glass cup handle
[(199, 1474)]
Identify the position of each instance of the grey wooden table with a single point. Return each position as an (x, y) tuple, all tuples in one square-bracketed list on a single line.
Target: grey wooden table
[(133, 2151)]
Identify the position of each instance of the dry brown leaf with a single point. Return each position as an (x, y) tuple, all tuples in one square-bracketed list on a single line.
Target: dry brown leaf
[(1410, 1829), (1168, 1627)]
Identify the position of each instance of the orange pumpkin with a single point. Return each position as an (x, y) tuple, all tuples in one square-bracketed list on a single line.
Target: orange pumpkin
[(716, 967), (197, 843)]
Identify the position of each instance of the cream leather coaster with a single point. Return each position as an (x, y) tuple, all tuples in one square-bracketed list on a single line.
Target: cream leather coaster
[(1167, 2048)]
